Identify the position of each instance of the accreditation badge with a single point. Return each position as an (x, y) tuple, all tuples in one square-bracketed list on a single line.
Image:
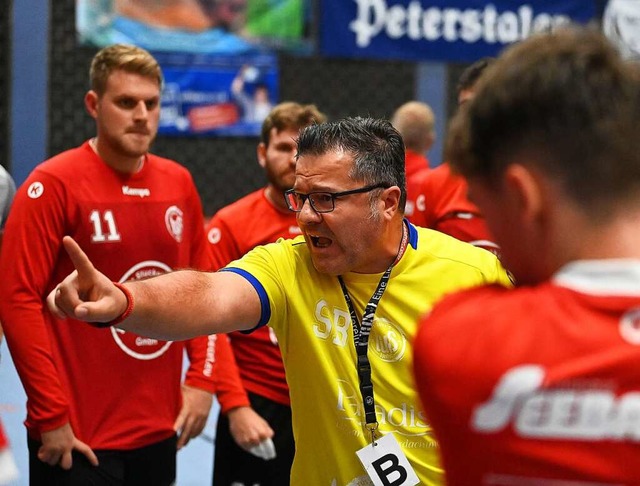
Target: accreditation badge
[(386, 464)]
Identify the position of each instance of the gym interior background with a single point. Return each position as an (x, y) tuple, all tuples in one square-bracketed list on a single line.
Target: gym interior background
[(224, 168)]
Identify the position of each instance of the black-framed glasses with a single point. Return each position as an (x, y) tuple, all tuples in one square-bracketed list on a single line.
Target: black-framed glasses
[(323, 202)]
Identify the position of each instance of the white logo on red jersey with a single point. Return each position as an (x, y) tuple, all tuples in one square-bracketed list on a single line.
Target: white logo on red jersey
[(295, 230), (214, 236), (138, 347), (173, 221), (512, 387), (211, 355), (630, 326), (35, 190), (141, 192), (408, 208), (272, 336), (557, 413)]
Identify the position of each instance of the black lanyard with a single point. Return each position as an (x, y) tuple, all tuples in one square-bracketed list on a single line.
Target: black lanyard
[(361, 332)]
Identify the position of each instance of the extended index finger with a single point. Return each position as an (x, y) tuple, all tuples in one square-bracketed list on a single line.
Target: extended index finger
[(79, 258), (86, 450)]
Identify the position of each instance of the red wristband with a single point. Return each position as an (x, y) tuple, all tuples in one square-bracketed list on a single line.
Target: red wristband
[(127, 312)]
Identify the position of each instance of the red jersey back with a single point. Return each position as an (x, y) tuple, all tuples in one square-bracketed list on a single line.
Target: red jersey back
[(539, 384)]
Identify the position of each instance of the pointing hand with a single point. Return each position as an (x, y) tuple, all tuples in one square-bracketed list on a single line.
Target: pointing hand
[(86, 294)]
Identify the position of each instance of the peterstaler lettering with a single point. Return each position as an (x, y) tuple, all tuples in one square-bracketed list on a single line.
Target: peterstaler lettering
[(447, 23)]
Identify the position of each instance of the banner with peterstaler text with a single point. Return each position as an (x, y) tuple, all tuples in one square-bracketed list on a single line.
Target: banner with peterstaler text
[(439, 30)]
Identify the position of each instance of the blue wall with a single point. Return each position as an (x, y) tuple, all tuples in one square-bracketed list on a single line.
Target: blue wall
[(29, 69), (431, 88)]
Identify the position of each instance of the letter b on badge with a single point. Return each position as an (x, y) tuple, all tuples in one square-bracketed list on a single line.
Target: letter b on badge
[(386, 464), (389, 470)]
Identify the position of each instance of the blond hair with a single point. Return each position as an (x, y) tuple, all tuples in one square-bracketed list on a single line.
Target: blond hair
[(124, 57)]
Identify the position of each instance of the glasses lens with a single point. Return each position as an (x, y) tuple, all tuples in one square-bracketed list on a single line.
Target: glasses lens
[(322, 201), (294, 201)]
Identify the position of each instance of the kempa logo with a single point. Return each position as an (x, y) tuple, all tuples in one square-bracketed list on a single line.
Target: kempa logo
[(558, 413), (141, 192), (630, 327), (214, 236), (449, 24), (35, 190)]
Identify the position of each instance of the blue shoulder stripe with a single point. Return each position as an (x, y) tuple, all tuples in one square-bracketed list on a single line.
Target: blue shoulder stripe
[(265, 308), (413, 234)]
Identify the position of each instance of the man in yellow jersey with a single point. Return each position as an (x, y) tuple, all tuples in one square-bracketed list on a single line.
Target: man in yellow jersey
[(343, 300)]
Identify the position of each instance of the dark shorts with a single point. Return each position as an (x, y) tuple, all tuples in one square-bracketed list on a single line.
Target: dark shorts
[(232, 464), (154, 464)]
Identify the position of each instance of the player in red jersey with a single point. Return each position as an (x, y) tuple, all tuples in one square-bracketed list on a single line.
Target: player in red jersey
[(104, 406), (416, 123), (442, 204), (539, 384), (255, 406), (441, 201)]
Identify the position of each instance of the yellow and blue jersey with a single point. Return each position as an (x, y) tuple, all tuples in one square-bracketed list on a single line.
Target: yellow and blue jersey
[(310, 317)]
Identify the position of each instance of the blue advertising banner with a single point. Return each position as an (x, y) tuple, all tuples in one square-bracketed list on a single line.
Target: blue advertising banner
[(218, 57), (216, 95), (439, 30)]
